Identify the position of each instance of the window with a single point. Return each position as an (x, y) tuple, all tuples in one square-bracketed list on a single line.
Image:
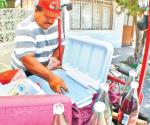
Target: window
[(91, 15)]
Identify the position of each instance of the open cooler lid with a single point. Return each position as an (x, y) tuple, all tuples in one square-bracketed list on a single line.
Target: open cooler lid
[(87, 60)]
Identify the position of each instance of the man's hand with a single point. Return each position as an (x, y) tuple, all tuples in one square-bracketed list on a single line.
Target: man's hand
[(35, 67), (54, 63), (57, 84)]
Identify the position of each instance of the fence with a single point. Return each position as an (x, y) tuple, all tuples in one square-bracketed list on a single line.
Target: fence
[(9, 20)]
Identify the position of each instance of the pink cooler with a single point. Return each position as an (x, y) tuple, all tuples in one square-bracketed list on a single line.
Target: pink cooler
[(32, 110)]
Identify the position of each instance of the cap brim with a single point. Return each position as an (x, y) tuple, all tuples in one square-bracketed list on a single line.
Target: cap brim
[(51, 13)]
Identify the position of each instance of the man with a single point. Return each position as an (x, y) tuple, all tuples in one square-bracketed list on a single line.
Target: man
[(37, 42)]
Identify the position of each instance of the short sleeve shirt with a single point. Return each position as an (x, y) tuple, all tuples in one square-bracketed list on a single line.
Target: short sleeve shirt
[(31, 39)]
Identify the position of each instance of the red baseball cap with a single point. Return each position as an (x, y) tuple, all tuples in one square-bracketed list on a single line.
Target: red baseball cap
[(51, 8)]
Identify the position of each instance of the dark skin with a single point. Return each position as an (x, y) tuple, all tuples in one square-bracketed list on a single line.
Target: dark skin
[(31, 63)]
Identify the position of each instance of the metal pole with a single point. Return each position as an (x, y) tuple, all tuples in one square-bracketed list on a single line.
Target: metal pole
[(145, 58), (59, 37), (59, 40)]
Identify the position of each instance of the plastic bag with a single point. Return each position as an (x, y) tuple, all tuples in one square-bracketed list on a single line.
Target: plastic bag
[(53, 63), (20, 74), (21, 87), (80, 116), (11, 75)]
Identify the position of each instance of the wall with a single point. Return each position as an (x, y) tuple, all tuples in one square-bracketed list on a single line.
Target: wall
[(112, 36), (28, 4)]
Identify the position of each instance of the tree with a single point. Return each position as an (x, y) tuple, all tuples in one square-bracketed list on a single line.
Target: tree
[(136, 11), (3, 4)]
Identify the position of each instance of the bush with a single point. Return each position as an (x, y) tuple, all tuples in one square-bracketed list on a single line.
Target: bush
[(3, 4)]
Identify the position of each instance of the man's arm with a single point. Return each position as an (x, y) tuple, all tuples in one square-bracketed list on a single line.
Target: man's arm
[(37, 68)]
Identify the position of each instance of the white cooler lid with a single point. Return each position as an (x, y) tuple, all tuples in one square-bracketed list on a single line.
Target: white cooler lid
[(87, 60)]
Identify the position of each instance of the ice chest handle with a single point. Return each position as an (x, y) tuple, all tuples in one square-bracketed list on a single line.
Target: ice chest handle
[(32, 110)]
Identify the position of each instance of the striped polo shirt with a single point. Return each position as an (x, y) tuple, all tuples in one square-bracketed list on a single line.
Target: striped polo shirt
[(30, 38)]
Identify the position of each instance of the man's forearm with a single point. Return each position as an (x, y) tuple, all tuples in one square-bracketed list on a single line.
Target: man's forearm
[(36, 67)]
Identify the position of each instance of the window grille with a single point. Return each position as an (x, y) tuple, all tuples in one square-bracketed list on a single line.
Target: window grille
[(91, 15)]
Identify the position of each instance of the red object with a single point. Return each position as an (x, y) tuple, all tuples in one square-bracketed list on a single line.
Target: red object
[(145, 58), (114, 79), (140, 98), (6, 77), (59, 40), (51, 8)]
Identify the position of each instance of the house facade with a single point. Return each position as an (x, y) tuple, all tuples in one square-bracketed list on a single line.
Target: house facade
[(95, 18)]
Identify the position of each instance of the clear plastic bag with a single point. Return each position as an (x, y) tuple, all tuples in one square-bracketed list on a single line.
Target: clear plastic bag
[(25, 87), (21, 87), (19, 75)]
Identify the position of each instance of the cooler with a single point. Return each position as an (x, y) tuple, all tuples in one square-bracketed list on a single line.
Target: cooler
[(32, 110), (85, 66)]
